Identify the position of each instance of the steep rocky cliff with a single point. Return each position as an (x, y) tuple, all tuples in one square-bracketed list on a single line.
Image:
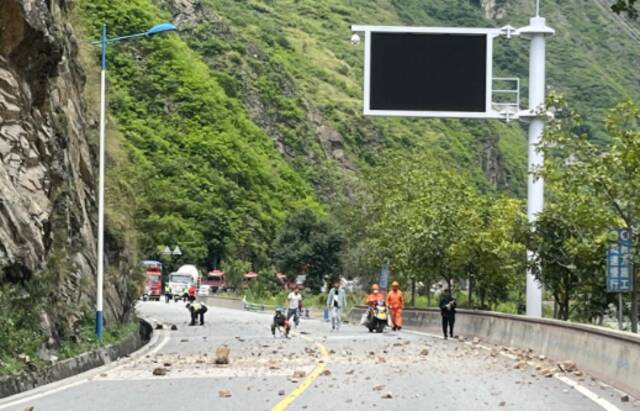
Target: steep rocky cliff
[(47, 191), (46, 179)]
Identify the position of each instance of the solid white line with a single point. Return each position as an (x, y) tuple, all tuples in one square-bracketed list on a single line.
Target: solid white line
[(42, 394), (84, 377), (422, 333), (606, 405)]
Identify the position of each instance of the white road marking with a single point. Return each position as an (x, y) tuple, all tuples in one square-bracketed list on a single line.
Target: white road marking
[(606, 405), (422, 333), (82, 378)]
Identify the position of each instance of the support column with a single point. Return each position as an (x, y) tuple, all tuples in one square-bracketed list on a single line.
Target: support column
[(536, 31)]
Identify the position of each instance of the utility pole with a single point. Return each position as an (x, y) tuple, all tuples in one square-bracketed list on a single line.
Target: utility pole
[(536, 32)]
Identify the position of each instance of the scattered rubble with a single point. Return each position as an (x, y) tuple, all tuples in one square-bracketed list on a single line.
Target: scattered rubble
[(567, 366), (299, 374), (160, 371), (222, 355)]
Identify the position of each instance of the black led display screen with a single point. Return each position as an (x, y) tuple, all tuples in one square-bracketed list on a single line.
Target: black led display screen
[(428, 72)]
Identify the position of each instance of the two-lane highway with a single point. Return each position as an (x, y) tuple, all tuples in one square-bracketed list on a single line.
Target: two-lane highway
[(316, 369)]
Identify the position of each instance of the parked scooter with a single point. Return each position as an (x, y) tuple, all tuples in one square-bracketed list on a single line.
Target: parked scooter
[(378, 317)]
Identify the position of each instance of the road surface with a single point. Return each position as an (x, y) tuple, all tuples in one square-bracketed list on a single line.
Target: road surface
[(316, 369)]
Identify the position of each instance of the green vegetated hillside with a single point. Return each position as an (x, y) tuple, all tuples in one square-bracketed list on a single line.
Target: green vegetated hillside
[(254, 108)]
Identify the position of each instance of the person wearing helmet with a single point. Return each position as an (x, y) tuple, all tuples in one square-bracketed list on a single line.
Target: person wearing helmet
[(373, 299), (375, 295), (395, 301)]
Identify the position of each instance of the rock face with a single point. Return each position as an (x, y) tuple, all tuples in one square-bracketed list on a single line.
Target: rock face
[(47, 183)]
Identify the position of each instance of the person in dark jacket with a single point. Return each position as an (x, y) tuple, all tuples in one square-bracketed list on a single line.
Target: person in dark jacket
[(448, 311)]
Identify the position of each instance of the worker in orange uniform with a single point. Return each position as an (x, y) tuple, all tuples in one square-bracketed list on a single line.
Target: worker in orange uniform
[(372, 300), (395, 302), (375, 295)]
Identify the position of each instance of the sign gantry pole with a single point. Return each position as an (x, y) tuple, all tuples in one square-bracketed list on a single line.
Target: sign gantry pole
[(536, 32), (447, 72)]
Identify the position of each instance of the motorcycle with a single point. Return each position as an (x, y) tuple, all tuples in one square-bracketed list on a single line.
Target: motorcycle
[(378, 317)]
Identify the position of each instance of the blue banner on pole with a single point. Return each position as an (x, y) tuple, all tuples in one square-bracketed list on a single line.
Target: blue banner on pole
[(619, 264), (384, 276)]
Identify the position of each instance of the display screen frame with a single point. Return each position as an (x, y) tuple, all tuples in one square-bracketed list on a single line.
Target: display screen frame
[(490, 33)]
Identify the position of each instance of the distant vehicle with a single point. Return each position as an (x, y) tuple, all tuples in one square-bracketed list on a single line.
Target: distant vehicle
[(215, 280), (181, 280), (204, 290), (153, 280)]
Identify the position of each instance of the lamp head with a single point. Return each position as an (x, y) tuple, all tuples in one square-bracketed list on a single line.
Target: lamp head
[(355, 39), (161, 28)]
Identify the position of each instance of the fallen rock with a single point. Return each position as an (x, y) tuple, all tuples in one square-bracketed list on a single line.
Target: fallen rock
[(299, 374), (174, 327), (424, 351), (326, 373), (281, 392), (502, 403), (578, 373), (567, 366), (625, 398), (222, 354), (224, 393), (350, 372), (159, 326), (30, 408), (387, 396), (167, 364), (160, 371), (378, 387), (184, 340)]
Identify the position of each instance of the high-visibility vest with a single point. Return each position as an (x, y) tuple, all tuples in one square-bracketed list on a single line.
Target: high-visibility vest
[(196, 306)]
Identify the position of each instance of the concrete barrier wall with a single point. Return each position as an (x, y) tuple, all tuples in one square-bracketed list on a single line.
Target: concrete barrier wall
[(234, 303), (14, 384), (609, 355)]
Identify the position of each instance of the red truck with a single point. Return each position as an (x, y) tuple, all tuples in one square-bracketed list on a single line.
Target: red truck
[(215, 280), (153, 280)]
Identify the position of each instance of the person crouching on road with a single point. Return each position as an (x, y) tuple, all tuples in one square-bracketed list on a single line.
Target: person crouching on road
[(448, 311), (196, 309), (335, 302), (295, 305), (280, 322), (395, 302)]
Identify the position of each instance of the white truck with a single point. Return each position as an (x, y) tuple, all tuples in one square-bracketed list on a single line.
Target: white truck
[(180, 281)]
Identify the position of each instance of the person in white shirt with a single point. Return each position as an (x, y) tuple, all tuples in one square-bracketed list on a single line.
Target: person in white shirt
[(335, 303), (295, 306)]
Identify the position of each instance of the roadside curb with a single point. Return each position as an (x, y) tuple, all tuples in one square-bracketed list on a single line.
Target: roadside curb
[(15, 384)]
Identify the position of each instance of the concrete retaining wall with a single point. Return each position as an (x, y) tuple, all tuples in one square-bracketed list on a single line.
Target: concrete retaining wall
[(234, 303), (609, 355), (14, 384)]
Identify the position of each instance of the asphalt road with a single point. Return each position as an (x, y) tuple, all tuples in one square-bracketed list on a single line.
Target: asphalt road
[(316, 369)]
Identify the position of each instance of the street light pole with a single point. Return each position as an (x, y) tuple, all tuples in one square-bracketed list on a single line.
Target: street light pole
[(100, 274), (159, 28)]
